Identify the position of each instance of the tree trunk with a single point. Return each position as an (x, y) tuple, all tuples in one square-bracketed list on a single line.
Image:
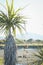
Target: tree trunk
[(10, 51)]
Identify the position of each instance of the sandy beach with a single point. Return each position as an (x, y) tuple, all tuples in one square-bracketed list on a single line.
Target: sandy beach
[(24, 56)]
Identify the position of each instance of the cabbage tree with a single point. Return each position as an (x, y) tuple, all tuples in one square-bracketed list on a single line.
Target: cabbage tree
[(8, 23)]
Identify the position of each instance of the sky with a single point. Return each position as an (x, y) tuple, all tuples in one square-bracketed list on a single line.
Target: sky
[(34, 13)]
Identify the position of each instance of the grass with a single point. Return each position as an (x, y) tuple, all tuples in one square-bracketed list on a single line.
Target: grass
[(1, 61)]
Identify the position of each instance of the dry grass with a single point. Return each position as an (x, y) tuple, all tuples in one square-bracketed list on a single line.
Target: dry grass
[(1, 61)]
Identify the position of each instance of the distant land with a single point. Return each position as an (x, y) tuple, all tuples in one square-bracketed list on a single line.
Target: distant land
[(30, 36), (27, 36)]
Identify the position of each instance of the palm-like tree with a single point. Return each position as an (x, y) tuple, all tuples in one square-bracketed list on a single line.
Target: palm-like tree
[(40, 56), (11, 20)]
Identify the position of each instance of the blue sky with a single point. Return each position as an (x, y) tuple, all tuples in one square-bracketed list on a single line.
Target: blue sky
[(34, 11)]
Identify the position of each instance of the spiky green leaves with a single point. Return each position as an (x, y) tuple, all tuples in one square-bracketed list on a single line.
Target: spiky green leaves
[(10, 8), (12, 19), (40, 56)]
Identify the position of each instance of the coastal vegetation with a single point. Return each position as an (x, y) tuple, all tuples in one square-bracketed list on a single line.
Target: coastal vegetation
[(25, 43), (39, 55)]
